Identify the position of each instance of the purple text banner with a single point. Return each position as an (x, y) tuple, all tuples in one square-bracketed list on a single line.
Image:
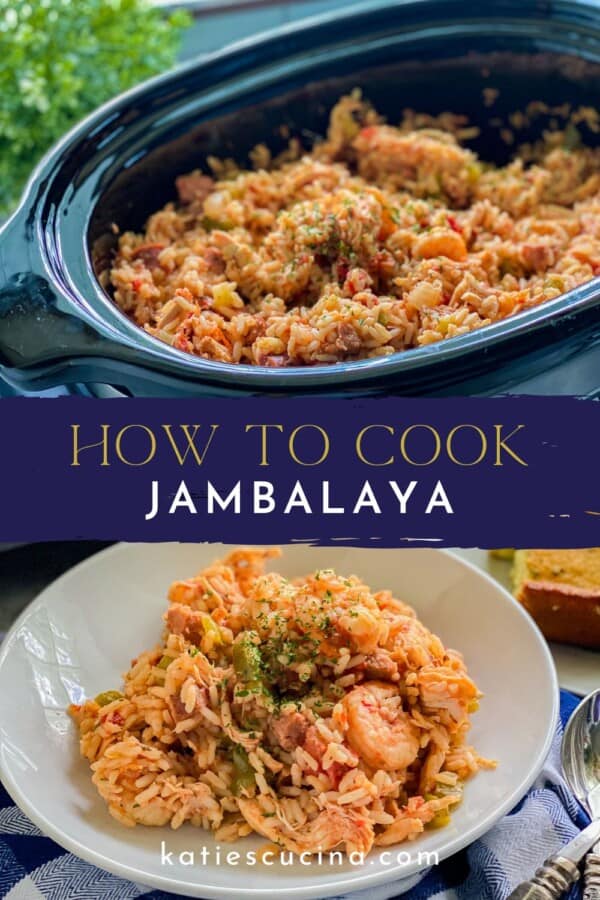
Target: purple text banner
[(456, 472)]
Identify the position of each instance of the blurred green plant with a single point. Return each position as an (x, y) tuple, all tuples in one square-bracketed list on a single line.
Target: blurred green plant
[(59, 59)]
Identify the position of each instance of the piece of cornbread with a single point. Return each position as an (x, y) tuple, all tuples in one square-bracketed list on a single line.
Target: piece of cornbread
[(561, 590)]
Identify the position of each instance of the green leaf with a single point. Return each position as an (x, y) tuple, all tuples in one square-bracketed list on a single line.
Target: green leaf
[(61, 59)]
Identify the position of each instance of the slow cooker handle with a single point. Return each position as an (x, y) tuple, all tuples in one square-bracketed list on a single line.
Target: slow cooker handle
[(38, 325), (33, 328)]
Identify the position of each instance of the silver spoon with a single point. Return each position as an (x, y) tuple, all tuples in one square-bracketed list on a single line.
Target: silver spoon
[(581, 765)]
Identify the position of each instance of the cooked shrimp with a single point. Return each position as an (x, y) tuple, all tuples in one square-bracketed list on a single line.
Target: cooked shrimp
[(440, 242), (379, 730), (334, 826)]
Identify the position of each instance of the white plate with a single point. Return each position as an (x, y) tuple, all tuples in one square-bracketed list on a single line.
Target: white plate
[(578, 669), (82, 631)]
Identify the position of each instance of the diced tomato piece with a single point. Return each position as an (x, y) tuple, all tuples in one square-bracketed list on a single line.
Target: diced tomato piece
[(369, 131), (454, 224), (336, 772), (116, 718)]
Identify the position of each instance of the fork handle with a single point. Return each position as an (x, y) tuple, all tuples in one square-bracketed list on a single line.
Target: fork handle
[(591, 875), (550, 881)]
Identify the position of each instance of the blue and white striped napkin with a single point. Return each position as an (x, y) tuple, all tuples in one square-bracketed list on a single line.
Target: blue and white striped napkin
[(32, 867)]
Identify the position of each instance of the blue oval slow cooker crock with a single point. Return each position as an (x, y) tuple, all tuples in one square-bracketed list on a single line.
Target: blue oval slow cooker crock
[(57, 324)]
